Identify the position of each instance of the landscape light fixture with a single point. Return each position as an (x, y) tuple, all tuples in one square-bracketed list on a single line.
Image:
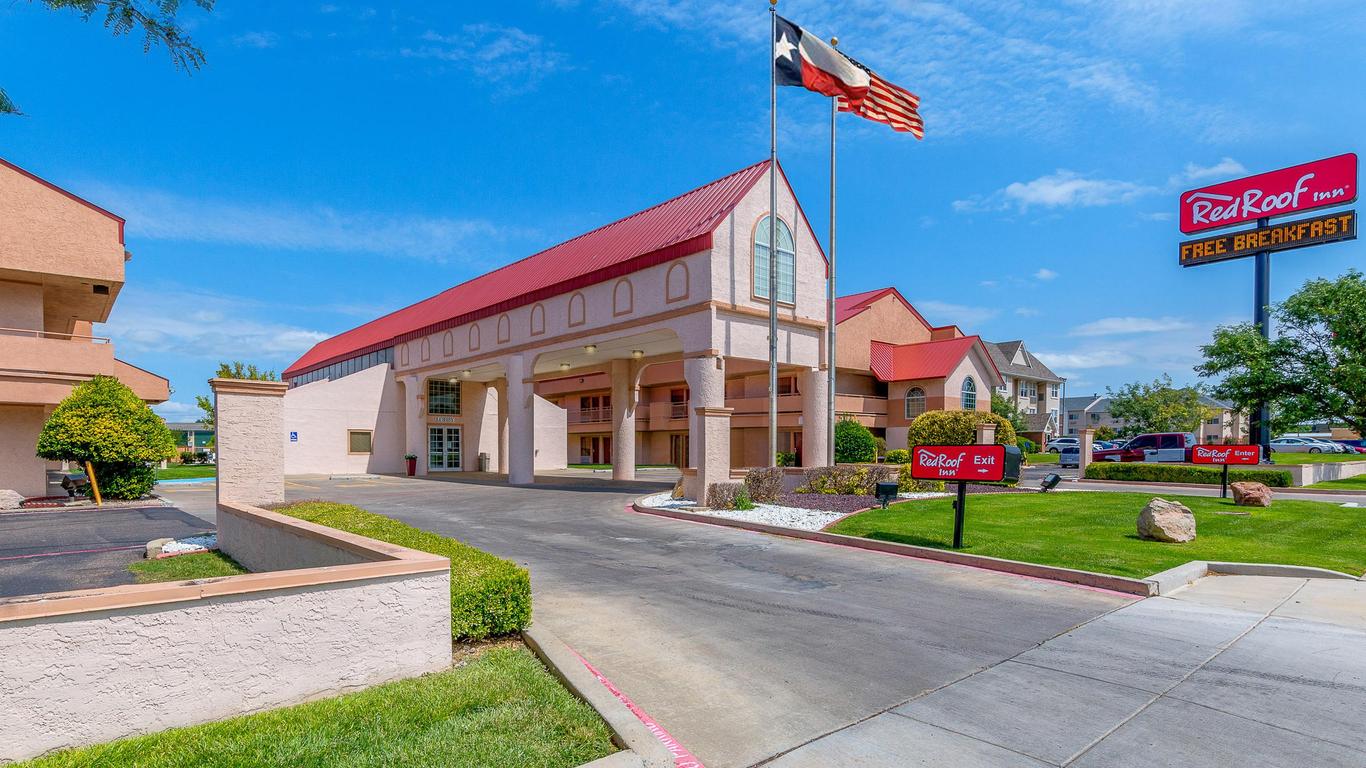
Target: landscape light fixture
[(1049, 482), (637, 353), (590, 348)]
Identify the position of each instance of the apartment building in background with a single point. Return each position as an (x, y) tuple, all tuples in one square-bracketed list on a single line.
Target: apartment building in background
[(1223, 424), (61, 269), (1034, 388)]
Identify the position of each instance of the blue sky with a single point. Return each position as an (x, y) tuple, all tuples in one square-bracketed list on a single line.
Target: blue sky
[(336, 161)]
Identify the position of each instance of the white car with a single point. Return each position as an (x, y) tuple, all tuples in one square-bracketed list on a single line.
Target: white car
[(1329, 446), (1298, 445), (1058, 443)]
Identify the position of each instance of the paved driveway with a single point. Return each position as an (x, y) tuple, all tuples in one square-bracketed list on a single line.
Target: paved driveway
[(47, 551), (742, 645)]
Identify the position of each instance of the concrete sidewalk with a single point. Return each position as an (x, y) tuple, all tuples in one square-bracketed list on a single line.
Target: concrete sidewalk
[(1233, 670)]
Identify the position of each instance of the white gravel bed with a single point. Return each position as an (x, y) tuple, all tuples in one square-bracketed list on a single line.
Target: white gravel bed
[(767, 514), (923, 495), (202, 543)]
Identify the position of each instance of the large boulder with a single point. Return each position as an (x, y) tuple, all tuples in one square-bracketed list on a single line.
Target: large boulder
[(1168, 521), (10, 499), (1248, 494)]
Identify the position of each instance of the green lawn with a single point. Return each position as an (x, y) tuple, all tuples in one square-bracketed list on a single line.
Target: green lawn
[(185, 471), (1094, 531), (1315, 458), (204, 565), (501, 708), (1357, 483), (1041, 458)]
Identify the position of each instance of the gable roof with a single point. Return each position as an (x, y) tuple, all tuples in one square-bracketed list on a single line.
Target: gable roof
[(923, 360), (35, 177), (851, 305), (1003, 355), (677, 227)]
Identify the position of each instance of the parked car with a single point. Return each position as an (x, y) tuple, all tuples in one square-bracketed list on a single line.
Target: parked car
[(1058, 443), (1070, 456), (1357, 446), (1296, 445), (1332, 446), (1157, 446)]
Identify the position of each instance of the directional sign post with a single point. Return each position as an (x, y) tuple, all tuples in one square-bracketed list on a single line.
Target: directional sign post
[(962, 464), (1224, 455), (1321, 184)]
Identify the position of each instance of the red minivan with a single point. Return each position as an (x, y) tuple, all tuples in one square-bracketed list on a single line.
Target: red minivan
[(1157, 446)]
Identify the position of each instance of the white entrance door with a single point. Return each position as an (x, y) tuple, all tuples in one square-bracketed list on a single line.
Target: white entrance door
[(443, 449)]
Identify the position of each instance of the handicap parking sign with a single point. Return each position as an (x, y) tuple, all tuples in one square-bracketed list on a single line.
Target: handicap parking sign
[(293, 437)]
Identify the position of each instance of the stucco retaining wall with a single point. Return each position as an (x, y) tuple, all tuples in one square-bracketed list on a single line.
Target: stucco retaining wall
[(90, 666), (1317, 472)]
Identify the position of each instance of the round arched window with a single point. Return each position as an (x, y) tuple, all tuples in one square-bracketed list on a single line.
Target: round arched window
[(787, 257), (915, 402), (969, 394)]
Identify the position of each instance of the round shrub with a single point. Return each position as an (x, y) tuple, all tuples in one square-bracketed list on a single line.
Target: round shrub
[(103, 422), (956, 428), (854, 443), (898, 456)]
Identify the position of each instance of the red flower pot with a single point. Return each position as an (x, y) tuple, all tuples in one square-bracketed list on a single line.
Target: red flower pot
[(412, 467)]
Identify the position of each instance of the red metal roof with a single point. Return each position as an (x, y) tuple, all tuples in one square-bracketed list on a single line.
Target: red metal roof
[(925, 360), (669, 230)]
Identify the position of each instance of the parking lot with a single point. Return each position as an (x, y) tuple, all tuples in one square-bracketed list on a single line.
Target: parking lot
[(56, 551)]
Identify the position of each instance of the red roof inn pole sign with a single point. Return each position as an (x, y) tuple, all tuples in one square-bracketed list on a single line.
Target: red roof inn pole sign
[(1324, 183), (1225, 455), (962, 464)]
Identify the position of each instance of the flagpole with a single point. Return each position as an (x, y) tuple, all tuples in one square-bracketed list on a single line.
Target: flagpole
[(830, 296), (773, 234)]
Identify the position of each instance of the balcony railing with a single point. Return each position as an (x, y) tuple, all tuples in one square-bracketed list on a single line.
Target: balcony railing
[(34, 334), (680, 410), (594, 415)]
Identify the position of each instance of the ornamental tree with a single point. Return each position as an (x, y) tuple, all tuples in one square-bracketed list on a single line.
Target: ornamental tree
[(103, 422), (1006, 408), (1158, 406), (1315, 368)]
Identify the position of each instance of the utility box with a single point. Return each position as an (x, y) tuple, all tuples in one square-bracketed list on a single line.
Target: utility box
[(1014, 460), (483, 462)]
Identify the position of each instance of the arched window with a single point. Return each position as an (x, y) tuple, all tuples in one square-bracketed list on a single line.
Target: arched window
[(915, 402), (787, 256), (969, 394)]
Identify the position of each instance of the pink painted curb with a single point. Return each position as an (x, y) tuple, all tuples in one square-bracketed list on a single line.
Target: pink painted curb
[(1069, 576)]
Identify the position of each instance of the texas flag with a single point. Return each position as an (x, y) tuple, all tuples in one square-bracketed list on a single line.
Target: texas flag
[(801, 58)]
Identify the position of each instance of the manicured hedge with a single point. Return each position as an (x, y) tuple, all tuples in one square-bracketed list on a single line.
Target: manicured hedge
[(1181, 473), (489, 595)]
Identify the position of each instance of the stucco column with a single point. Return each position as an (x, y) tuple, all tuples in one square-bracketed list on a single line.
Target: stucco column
[(501, 387), (986, 433), (815, 417), (521, 423), (414, 430), (250, 418), (1085, 438), (708, 425), (623, 373)]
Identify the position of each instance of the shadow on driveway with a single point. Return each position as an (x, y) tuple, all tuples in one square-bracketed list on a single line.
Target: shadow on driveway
[(45, 551)]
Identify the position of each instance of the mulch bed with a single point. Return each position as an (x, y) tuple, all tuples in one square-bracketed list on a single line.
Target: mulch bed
[(827, 502)]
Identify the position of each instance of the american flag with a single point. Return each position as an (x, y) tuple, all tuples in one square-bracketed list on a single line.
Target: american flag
[(886, 103)]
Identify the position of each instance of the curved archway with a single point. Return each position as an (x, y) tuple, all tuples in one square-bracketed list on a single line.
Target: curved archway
[(676, 282), (577, 313), (623, 298)]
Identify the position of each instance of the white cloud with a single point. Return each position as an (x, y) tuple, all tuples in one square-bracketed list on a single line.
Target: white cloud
[(157, 215), (255, 40), (1062, 189), (514, 59), (1114, 326), (1225, 168), (944, 313), (1044, 273), (173, 410), (1026, 312), (152, 319), (1065, 361)]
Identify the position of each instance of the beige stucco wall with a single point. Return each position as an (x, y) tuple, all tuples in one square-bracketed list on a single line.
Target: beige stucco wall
[(551, 429), (322, 412), (20, 469), (251, 453), (21, 305), (106, 675)]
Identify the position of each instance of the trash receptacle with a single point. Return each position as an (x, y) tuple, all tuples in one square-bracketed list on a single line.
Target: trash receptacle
[(483, 462)]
